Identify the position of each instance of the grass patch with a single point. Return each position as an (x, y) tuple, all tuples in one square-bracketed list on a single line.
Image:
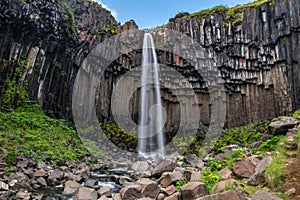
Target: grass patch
[(274, 171), (233, 15), (180, 183), (296, 114), (27, 131)]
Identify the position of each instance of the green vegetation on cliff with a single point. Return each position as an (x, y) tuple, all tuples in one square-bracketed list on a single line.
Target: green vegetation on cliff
[(26, 130), (233, 14)]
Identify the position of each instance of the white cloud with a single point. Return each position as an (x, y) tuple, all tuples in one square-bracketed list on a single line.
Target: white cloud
[(113, 11)]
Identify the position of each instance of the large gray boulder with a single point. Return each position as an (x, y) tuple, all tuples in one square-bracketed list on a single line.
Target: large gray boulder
[(282, 126), (259, 176)]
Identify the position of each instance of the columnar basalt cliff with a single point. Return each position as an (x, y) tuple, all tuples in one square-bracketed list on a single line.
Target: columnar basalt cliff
[(53, 38), (258, 57)]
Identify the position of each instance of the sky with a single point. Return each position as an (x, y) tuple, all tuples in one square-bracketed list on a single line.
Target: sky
[(152, 13)]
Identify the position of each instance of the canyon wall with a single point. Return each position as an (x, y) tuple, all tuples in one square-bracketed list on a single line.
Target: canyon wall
[(51, 38), (257, 59)]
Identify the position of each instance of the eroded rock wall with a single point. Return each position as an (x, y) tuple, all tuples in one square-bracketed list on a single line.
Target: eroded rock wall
[(259, 59), (54, 37)]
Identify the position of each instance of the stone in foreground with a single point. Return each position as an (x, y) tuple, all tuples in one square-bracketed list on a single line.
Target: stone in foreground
[(193, 190)]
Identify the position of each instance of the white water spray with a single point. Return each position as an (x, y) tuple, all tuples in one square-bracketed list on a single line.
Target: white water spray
[(150, 132)]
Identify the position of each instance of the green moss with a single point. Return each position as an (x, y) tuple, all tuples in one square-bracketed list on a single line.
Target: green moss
[(119, 137), (16, 90), (180, 183), (296, 114), (69, 17), (111, 29), (233, 15), (27, 126)]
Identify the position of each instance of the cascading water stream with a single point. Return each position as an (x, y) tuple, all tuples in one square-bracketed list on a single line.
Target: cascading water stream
[(150, 132)]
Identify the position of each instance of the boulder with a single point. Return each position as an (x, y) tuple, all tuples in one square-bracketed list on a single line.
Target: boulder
[(169, 178), (263, 195), (89, 182), (140, 166), (23, 194), (259, 175), (104, 191), (225, 173), (4, 186), (221, 186), (149, 188), (164, 166), (161, 196), (56, 175), (170, 190), (131, 192), (244, 168), (193, 190), (281, 126), (40, 173), (85, 193), (229, 195), (71, 188), (194, 161), (42, 181), (196, 175), (174, 196)]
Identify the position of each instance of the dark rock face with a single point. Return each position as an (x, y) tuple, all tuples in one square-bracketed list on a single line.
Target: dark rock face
[(258, 60), (55, 36)]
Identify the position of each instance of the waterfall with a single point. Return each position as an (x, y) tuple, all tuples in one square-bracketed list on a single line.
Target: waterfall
[(150, 132)]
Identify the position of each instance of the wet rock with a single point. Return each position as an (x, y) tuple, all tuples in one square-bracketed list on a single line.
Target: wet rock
[(140, 166), (244, 168), (4, 186), (259, 177), (281, 126), (23, 194), (117, 196), (262, 195), (194, 161), (71, 188), (193, 190), (149, 188), (229, 195), (164, 166), (85, 193), (131, 192), (37, 196), (42, 181), (123, 179), (89, 182), (104, 191)]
